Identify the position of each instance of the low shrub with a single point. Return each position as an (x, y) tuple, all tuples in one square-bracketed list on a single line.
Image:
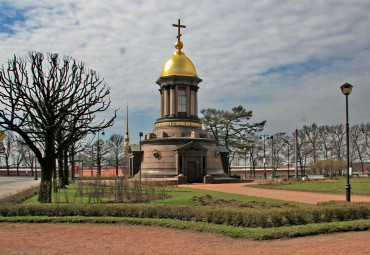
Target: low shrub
[(277, 218), (21, 196), (290, 217), (316, 215), (261, 219), (238, 217)]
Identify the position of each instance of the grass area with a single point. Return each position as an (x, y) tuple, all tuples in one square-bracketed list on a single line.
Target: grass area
[(234, 232), (177, 196), (184, 196), (359, 186)]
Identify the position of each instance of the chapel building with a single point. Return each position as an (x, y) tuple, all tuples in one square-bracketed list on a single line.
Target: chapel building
[(178, 147)]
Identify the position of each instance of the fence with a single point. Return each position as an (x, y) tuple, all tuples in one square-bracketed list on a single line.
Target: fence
[(105, 172)]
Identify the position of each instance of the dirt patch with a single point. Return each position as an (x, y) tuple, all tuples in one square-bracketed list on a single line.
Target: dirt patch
[(208, 200), (127, 239)]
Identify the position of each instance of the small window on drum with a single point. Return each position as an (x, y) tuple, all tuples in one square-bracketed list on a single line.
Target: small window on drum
[(182, 100)]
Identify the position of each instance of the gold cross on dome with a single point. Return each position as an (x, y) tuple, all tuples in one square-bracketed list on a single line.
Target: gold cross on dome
[(178, 29)]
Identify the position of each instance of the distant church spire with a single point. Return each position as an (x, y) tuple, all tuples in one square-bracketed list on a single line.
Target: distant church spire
[(126, 147), (127, 137)]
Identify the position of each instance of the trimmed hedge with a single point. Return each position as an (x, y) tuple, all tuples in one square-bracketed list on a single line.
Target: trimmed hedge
[(234, 232), (21, 196), (227, 216)]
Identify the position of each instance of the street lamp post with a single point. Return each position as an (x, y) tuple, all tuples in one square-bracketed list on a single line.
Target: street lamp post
[(296, 154), (35, 170), (140, 135), (264, 154), (272, 157), (346, 90), (287, 142), (98, 171), (245, 173), (92, 160), (250, 162)]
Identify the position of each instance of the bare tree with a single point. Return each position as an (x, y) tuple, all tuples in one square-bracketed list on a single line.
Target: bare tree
[(277, 145), (358, 144), (304, 149), (28, 157), (313, 134), (337, 134), (41, 104), (74, 149), (115, 147), (9, 150), (17, 156), (365, 130), (255, 151), (324, 140)]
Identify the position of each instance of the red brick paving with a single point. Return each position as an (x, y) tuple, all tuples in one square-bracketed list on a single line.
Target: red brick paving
[(127, 239)]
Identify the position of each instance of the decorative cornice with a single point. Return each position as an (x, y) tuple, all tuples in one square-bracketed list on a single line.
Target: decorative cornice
[(176, 79), (178, 124)]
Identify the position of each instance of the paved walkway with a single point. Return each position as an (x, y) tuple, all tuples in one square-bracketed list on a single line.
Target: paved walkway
[(296, 196), (111, 239), (10, 185)]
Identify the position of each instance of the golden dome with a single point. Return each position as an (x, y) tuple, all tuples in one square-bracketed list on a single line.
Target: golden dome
[(178, 64)]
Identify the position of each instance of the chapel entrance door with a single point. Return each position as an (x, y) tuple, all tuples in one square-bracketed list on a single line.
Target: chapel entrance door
[(192, 172), (191, 159)]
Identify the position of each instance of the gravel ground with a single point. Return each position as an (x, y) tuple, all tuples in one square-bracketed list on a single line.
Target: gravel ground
[(16, 238)]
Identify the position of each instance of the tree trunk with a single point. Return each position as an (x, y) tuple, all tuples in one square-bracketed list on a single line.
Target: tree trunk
[(31, 169), (62, 184), (254, 168), (72, 156), (117, 164), (55, 184), (7, 165), (47, 167), (66, 170)]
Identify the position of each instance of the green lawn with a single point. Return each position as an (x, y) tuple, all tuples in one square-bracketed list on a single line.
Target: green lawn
[(359, 186), (183, 196), (177, 196)]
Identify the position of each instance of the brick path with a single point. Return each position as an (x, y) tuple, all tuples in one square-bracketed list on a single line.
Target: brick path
[(117, 239), (296, 196)]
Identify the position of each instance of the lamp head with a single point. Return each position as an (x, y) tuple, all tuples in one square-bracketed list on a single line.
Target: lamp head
[(346, 89), (140, 134)]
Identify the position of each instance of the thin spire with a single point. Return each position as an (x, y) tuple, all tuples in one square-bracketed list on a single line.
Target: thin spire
[(127, 119), (126, 146), (127, 137)]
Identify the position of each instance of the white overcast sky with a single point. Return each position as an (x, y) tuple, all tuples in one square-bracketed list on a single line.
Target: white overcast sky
[(284, 60)]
